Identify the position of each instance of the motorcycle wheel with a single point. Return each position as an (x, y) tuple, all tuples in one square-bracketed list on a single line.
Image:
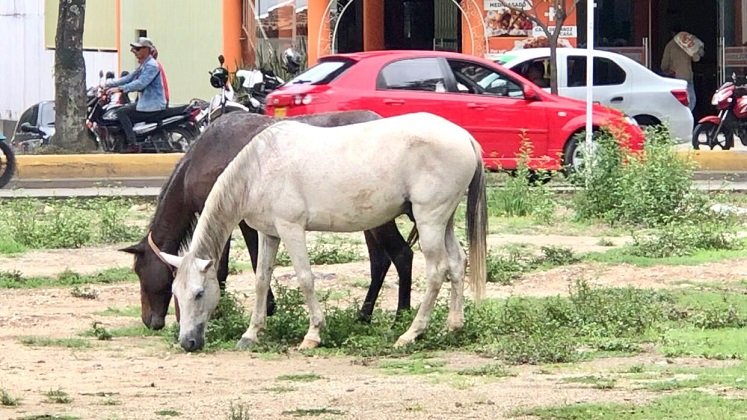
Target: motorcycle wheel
[(7, 163), (707, 134), (179, 138)]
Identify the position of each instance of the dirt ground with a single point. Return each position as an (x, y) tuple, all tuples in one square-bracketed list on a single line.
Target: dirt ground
[(137, 378)]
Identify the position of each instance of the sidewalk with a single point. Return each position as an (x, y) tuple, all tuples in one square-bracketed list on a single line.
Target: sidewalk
[(151, 170)]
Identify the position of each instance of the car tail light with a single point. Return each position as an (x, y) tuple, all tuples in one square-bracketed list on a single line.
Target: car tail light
[(681, 96)]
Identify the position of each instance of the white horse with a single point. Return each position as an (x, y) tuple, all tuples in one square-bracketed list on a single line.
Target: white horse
[(293, 178)]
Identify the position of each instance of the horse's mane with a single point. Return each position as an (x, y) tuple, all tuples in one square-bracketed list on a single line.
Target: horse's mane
[(221, 211)]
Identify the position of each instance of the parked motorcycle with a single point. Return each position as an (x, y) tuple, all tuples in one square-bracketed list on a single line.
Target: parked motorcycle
[(256, 85), (221, 103), (7, 161), (720, 130), (171, 130)]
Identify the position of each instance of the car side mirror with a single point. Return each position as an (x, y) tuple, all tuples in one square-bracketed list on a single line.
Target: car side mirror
[(530, 94)]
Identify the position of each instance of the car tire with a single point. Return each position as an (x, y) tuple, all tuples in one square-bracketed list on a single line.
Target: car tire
[(572, 154), (7, 163), (705, 134)]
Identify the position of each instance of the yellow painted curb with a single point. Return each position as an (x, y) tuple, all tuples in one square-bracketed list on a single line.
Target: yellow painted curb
[(718, 160), (100, 166)]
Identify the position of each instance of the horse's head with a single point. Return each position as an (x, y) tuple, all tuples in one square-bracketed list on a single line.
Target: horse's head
[(155, 284), (196, 288)]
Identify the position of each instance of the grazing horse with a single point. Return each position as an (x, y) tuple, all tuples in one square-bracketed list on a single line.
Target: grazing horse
[(184, 195), (293, 178)]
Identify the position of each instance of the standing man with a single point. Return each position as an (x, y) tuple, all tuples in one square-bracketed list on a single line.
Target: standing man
[(679, 54), (148, 79)]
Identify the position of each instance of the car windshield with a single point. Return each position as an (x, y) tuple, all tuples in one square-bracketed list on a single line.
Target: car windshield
[(322, 73)]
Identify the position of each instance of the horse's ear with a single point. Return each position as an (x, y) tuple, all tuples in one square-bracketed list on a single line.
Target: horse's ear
[(203, 265), (136, 249), (174, 260)]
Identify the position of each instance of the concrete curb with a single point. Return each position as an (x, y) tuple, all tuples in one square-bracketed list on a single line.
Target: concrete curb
[(95, 166), (718, 160), (124, 166)]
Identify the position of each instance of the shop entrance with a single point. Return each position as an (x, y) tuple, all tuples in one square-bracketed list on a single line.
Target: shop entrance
[(422, 25)]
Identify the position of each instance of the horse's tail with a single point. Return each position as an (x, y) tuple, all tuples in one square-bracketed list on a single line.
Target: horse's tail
[(477, 227)]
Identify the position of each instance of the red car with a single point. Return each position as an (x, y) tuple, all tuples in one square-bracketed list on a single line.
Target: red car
[(496, 105)]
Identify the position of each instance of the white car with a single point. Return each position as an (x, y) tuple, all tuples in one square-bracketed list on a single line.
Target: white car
[(619, 82)]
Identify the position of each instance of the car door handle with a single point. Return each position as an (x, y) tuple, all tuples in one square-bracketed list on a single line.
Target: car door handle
[(617, 99), (472, 105), (394, 101)]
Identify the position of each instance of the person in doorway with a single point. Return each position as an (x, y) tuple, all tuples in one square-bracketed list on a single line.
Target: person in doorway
[(149, 80), (679, 54)]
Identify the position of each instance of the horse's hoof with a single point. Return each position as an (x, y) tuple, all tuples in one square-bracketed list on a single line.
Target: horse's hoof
[(404, 340), (455, 324), (244, 343), (308, 344)]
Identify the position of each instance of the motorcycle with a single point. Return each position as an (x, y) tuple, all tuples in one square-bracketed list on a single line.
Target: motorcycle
[(171, 130), (720, 130), (257, 84), (7, 161), (221, 103)]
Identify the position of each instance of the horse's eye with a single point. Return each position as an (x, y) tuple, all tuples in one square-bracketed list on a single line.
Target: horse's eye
[(199, 294)]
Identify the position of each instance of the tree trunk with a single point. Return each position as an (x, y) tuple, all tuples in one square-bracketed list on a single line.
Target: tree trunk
[(70, 77)]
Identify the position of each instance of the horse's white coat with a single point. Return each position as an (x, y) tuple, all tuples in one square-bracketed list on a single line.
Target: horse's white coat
[(293, 178)]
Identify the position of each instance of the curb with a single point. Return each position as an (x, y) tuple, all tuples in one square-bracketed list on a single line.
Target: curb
[(717, 160), (124, 166), (95, 166)]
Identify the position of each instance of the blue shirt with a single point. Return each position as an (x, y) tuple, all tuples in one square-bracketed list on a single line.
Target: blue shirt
[(147, 80)]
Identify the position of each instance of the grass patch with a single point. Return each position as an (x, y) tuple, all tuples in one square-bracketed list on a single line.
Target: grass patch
[(596, 382), (504, 269), (73, 343), (414, 366), (692, 405), (326, 249), (239, 412), (58, 396), (733, 377), (48, 417), (138, 330), (622, 256), (129, 311), (720, 344), (8, 400), (279, 389), (313, 412), (492, 370), (84, 292), (299, 377), (168, 413), (15, 280)]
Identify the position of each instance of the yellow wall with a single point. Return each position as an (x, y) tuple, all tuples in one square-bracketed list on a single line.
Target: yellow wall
[(99, 32), (189, 38)]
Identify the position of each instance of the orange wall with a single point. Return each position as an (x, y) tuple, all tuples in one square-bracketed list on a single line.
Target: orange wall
[(232, 32), (316, 15)]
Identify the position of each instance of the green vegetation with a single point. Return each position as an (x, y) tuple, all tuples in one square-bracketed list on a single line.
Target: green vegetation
[(168, 413), (71, 223), (326, 249), (694, 405), (504, 269), (300, 377), (8, 400), (58, 396), (313, 412), (73, 343), (15, 280)]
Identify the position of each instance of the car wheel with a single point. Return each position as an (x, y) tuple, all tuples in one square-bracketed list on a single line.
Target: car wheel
[(708, 134), (574, 155)]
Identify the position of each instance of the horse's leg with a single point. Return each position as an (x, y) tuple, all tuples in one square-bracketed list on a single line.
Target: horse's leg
[(386, 245), (294, 238), (457, 264), (379, 263), (251, 238), (268, 249), (222, 271), (433, 246)]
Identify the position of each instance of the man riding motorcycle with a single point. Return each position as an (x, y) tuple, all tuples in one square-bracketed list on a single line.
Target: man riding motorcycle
[(150, 80)]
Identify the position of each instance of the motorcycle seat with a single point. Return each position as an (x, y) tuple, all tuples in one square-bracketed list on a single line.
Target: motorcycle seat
[(168, 112)]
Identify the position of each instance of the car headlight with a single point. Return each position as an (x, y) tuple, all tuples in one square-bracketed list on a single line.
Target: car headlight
[(631, 120)]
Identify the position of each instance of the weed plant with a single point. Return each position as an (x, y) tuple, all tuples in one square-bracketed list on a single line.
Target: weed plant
[(521, 195), (327, 249), (7, 400), (69, 223), (652, 190), (504, 269)]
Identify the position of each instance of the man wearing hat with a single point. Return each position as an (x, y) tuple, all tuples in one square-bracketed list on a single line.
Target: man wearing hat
[(148, 79)]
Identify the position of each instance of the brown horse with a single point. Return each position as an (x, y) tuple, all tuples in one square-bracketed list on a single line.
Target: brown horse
[(184, 195)]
